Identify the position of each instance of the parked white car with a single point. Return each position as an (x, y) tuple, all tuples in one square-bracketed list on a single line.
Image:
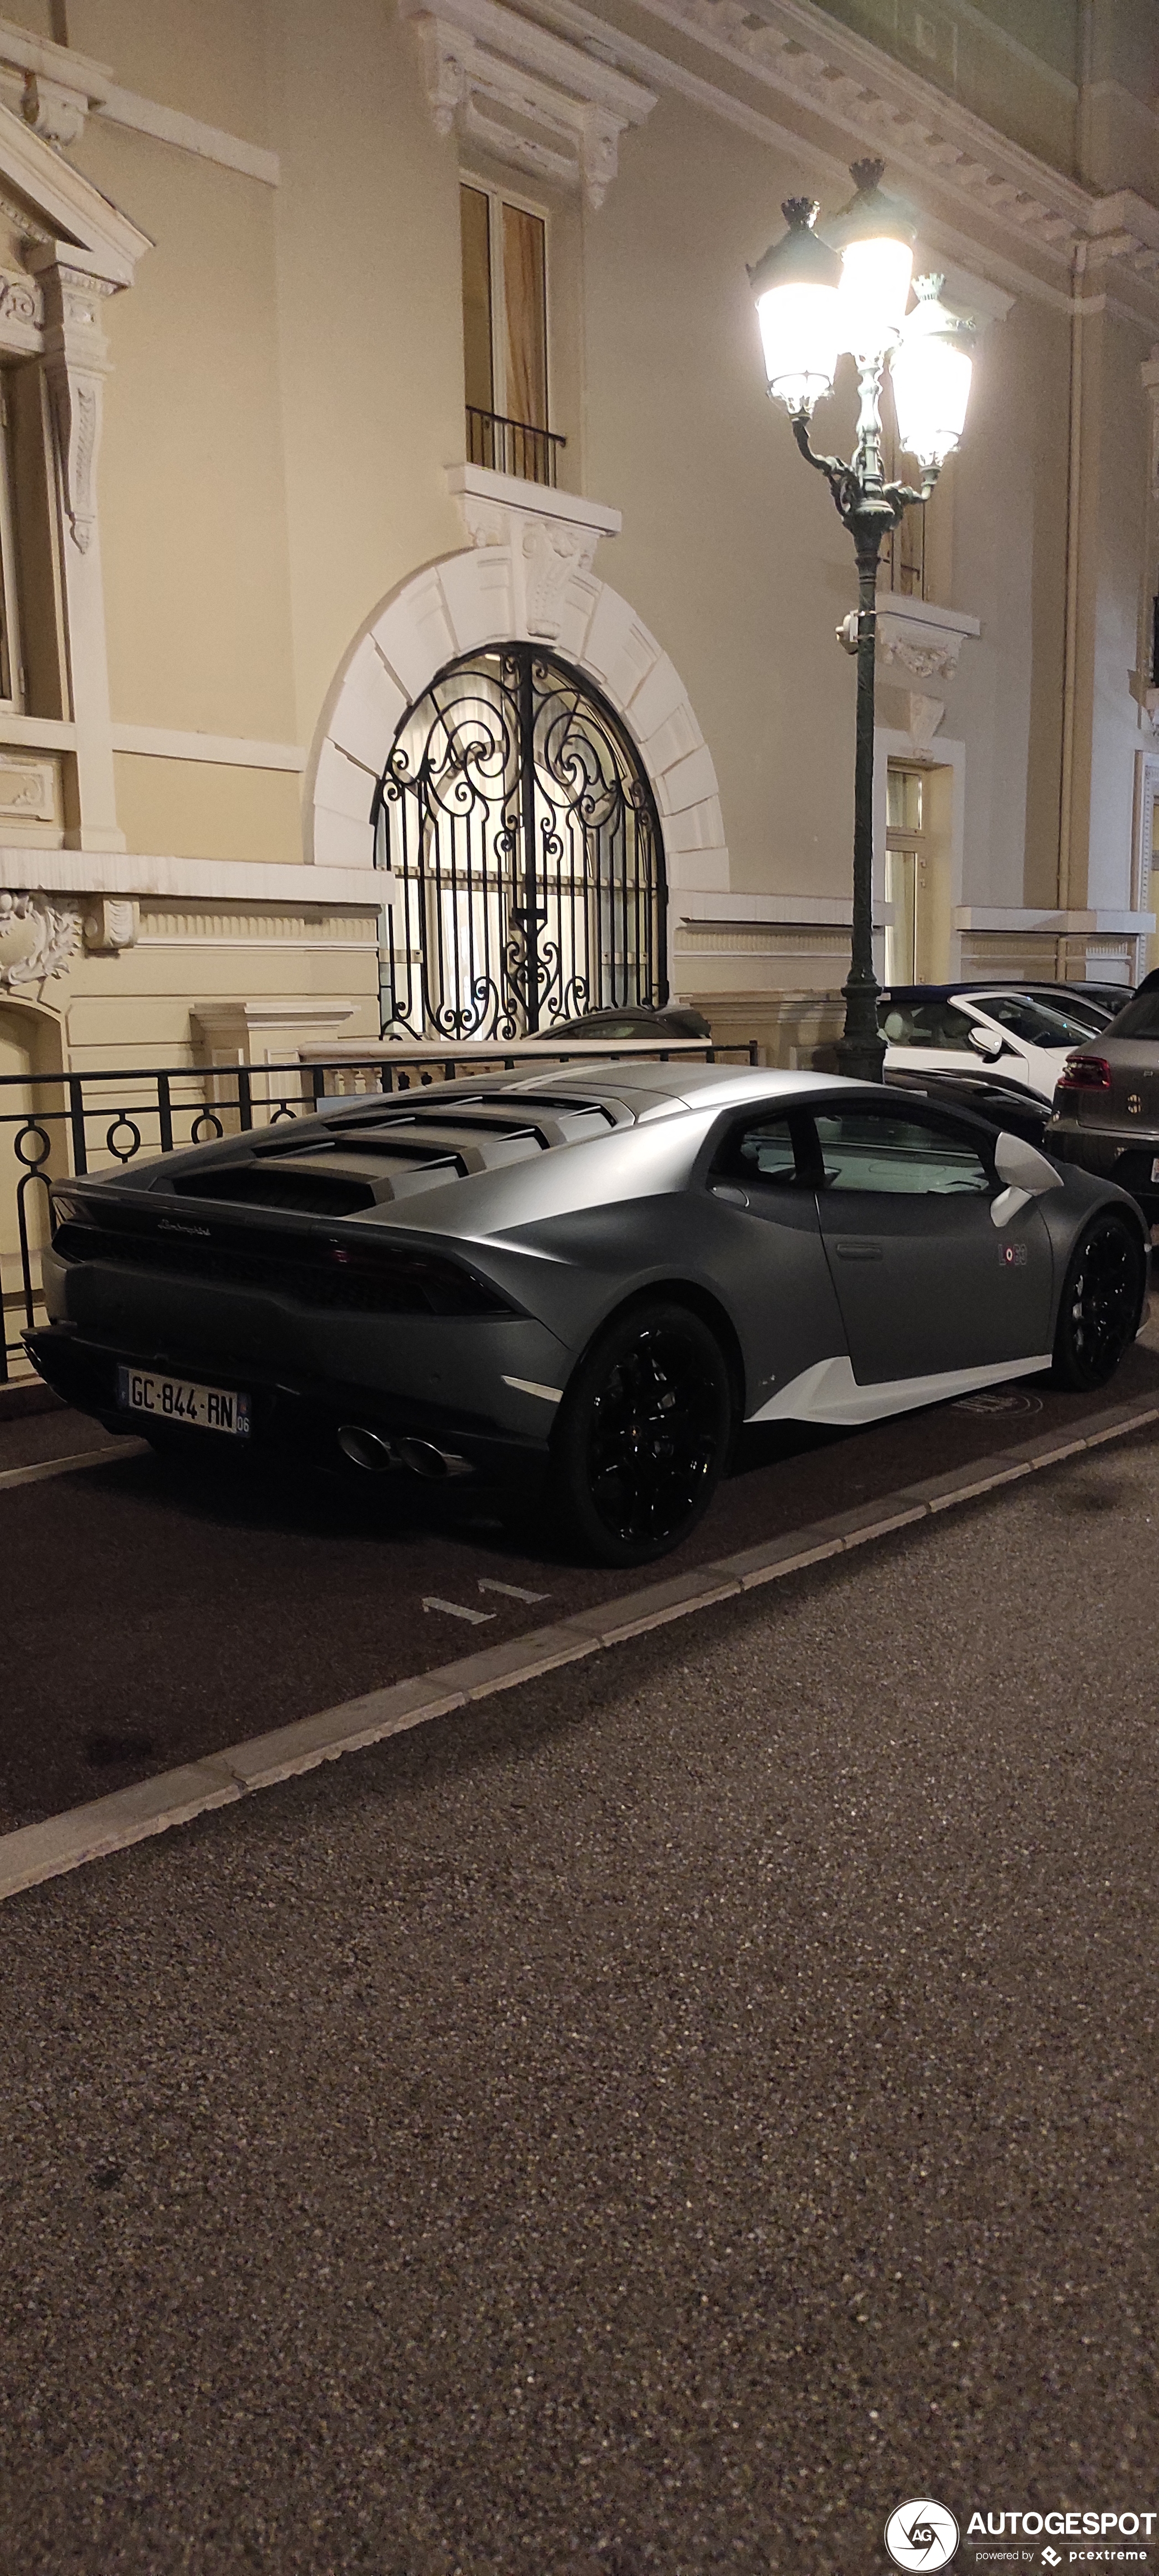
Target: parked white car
[(1027, 1038)]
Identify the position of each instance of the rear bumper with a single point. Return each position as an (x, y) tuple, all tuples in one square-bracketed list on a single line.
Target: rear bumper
[(293, 1416)]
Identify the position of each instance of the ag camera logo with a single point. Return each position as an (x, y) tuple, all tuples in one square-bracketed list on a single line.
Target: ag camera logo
[(921, 2534)]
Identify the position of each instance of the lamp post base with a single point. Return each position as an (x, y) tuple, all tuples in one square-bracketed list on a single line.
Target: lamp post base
[(861, 1060), (861, 1051)]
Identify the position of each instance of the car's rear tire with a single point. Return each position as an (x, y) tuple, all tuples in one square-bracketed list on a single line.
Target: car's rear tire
[(1101, 1303), (643, 1434)]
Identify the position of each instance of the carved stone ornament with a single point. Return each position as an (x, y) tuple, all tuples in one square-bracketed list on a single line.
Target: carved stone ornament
[(53, 110), (20, 299), (110, 924), (37, 938), (553, 549), (525, 93), (925, 715), (551, 536), (920, 638)]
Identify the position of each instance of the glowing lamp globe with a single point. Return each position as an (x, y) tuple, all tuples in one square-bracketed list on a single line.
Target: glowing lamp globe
[(875, 237), (930, 370), (796, 287)]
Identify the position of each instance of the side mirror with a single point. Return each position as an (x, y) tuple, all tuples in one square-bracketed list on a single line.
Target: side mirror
[(986, 1043), (1027, 1175)]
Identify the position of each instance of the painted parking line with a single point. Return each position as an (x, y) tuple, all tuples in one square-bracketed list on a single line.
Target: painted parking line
[(34, 1853), (457, 1610), (71, 1466), (510, 1591)]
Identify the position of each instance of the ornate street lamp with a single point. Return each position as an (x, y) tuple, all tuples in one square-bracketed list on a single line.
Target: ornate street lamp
[(815, 299)]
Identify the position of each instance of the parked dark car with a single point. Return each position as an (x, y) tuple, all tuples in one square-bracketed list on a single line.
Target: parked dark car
[(587, 1277), (636, 1020), (1106, 1105)]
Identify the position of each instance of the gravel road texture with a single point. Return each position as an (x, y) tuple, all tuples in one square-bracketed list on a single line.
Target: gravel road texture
[(652, 2123)]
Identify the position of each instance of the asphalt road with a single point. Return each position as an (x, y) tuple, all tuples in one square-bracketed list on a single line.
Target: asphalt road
[(171, 1611), (655, 2121)]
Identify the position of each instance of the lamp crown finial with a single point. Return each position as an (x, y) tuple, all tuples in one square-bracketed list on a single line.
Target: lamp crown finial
[(801, 212), (866, 175)]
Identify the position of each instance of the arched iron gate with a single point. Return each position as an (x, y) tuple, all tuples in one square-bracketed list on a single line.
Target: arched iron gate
[(525, 845)]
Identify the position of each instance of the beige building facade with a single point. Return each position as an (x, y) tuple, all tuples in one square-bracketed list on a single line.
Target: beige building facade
[(350, 344)]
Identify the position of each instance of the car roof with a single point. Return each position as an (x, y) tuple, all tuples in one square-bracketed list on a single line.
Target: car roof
[(974, 991), (683, 1084), (640, 1085)]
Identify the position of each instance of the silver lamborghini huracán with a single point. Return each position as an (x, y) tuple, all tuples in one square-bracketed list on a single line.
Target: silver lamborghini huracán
[(588, 1278)]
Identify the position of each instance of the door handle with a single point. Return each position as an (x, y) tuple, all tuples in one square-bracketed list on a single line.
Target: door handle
[(853, 1251)]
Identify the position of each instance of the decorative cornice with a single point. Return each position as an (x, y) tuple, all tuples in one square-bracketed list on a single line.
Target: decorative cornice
[(529, 97), (52, 205), (854, 91)]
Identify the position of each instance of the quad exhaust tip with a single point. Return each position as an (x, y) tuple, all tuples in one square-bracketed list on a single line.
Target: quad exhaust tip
[(378, 1456)]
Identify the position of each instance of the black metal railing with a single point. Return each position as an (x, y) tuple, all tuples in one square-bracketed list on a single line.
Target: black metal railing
[(512, 446), (56, 1126)]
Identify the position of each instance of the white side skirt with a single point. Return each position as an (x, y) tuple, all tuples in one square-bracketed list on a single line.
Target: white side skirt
[(829, 1392)]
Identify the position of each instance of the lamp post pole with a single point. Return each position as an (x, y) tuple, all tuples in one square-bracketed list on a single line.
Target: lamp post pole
[(817, 297), (870, 509)]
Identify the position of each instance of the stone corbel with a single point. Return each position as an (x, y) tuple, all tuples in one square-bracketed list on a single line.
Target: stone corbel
[(443, 70), (599, 154), (921, 638), (53, 110), (76, 362), (551, 536)]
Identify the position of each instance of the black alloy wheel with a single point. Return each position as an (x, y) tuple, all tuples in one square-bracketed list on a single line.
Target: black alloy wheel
[(1101, 1304), (643, 1434)]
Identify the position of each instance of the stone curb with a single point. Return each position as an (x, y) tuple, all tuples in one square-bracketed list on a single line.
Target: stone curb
[(34, 1853)]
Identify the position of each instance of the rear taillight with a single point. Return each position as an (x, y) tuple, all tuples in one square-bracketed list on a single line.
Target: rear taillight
[(1085, 1073), (392, 1280)]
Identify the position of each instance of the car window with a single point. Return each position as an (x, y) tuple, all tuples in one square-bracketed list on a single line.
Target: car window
[(1046, 1024), (1081, 1007), (868, 1150), (924, 1024), (1140, 1019), (758, 1149)]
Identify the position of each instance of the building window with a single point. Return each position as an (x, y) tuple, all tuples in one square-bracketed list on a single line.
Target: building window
[(505, 335), (33, 658), (11, 666), (906, 868)]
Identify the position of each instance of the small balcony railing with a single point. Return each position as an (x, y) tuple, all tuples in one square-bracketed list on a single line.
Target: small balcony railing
[(512, 446)]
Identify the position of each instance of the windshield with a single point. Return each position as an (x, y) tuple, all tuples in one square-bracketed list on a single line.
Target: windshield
[(1045, 1024)]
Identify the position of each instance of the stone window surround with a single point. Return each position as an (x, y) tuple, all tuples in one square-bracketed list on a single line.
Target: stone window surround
[(530, 98), (78, 250), (524, 576)]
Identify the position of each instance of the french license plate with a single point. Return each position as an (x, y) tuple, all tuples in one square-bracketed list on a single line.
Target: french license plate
[(176, 1399)]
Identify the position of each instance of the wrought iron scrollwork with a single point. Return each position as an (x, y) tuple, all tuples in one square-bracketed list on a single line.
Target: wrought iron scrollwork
[(525, 848)]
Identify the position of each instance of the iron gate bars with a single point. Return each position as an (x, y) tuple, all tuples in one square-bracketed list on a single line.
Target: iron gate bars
[(525, 848)]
